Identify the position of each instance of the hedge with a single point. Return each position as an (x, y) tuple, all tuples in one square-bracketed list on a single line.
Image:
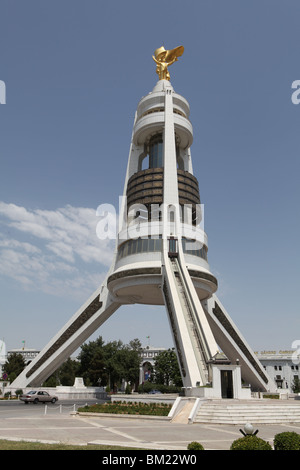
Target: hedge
[(123, 407), (287, 441), (250, 443)]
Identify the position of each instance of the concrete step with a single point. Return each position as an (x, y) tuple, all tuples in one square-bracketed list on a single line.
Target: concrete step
[(242, 412)]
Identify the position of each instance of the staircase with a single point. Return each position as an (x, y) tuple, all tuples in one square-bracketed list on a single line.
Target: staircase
[(191, 346), (262, 411), (190, 315)]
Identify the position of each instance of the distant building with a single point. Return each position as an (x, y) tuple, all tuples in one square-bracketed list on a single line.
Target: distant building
[(148, 356), (27, 354), (2, 356), (282, 367)]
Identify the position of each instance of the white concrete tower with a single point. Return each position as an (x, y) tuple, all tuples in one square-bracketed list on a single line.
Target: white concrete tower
[(161, 250), (160, 235)]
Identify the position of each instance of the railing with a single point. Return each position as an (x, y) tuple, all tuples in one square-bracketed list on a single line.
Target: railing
[(190, 309), (59, 407)]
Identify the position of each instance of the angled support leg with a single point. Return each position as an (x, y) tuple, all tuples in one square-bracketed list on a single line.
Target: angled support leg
[(235, 346), (93, 313)]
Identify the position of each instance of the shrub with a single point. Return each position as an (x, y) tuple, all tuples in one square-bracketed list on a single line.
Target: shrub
[(271, 396), (287, 441), (147, 386), (119, 407), (195, 446), (250, 443)]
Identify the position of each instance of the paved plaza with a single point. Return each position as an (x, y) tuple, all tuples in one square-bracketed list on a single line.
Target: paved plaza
[(31, 423)]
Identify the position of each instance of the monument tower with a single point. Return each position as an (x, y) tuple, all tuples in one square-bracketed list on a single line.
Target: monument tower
[(161, 250)]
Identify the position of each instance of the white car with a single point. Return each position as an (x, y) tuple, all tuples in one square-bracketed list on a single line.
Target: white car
[(36, 396)]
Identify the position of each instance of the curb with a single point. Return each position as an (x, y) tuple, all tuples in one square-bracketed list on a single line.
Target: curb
[(114, 415)]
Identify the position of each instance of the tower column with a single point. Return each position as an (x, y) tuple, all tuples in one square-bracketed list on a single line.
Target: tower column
[(170, 162), (186, 316)]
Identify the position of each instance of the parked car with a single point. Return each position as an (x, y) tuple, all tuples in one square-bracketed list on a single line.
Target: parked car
[(154, 392), (36, 396)]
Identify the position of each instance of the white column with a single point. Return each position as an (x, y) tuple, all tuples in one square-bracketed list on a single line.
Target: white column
[(170, 169)]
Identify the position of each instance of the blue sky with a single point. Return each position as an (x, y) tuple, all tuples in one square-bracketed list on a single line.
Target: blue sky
[(74, 72)]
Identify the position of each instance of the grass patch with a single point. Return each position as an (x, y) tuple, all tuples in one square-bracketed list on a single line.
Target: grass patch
[(24, 445), (134, 408)]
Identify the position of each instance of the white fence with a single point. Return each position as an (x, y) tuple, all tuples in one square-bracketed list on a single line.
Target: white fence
[(59, 407)]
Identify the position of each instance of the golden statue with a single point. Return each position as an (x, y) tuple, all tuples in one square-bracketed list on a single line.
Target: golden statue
[(165, 58)]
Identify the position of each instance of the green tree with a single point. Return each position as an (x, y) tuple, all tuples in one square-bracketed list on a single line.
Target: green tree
[(296, 385), (64, 375), (51, 381), (122, 362), (166, 369), (101, 364), (113, 368), (92, 364), (67, 372), (14, 365), (135, 345), (110, 363), (128, 362)]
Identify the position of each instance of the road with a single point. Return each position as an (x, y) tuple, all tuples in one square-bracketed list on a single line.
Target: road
[(29, 422), (10, 408)]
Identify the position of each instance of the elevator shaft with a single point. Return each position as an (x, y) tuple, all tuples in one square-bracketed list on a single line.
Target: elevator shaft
[(183, 305), (190, 315)]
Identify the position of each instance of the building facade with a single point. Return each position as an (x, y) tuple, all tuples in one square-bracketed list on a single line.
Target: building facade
[(148, 357), (2, 357), (281, 366), (27, 354)]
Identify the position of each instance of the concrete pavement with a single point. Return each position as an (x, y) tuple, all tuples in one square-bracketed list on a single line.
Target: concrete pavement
[(142, 433)]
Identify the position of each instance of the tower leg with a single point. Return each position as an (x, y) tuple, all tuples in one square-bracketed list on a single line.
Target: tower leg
[(235, 346), (93, 313), (192, 336)]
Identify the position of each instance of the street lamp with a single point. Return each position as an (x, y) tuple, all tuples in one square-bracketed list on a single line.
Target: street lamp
[(248, 430)]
